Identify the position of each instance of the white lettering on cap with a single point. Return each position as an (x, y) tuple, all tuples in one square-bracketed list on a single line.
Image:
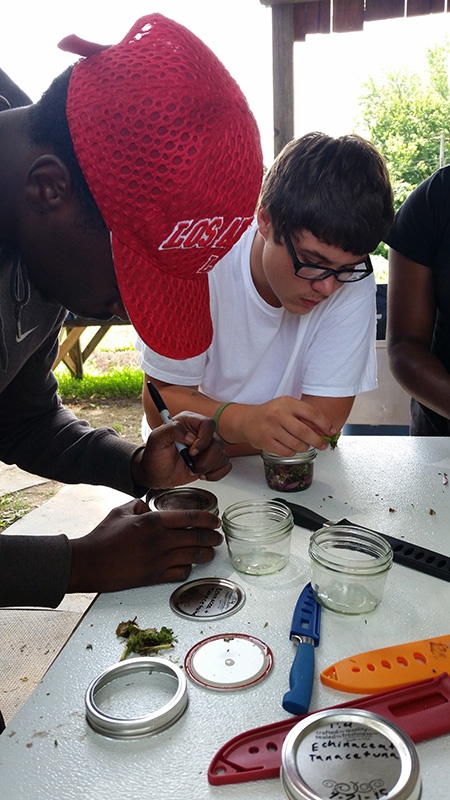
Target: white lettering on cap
[(204, 233)]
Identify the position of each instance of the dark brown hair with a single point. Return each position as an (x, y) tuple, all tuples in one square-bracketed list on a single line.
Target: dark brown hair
[(339, 189)]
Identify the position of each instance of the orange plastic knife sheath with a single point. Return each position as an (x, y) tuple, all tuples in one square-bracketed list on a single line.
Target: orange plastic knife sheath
[(389, 667)]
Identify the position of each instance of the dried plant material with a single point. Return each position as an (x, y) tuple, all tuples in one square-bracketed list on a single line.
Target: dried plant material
[(144, 641)]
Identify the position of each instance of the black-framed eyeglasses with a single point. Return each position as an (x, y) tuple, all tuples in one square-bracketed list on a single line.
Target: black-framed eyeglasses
[(312, 272)]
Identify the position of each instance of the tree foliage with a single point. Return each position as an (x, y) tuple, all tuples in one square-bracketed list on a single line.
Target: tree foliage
[(405, 116)]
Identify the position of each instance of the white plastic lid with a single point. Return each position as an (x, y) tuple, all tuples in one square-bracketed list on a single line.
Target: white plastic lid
[(228, 661)]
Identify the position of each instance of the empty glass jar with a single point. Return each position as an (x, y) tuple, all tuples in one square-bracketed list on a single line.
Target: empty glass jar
[(349, 567), (258, 535)]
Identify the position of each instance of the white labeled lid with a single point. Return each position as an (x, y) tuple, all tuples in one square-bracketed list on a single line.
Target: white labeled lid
[(349, 753), (207, 598)]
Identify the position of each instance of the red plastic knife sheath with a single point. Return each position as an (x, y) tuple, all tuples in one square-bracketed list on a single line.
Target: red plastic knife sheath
[(421, 709)]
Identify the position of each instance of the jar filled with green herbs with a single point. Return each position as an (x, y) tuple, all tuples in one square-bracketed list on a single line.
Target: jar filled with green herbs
[(289, 473)]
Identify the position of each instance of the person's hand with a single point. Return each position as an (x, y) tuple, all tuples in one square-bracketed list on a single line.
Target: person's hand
[(160, 466), (283, 425), (134, 547)]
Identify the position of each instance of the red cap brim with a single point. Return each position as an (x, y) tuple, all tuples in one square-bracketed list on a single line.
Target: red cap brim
[(171, 315)]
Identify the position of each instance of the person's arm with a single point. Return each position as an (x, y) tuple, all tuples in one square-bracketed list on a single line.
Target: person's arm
[(337, 409), (131, 547), (38, 434), (34, 570), (410, 322), (282, 425), (42, 437), (135, 547), (285, 424)]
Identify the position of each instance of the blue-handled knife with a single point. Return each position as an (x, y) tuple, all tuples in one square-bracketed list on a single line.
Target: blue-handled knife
[(305, 630)]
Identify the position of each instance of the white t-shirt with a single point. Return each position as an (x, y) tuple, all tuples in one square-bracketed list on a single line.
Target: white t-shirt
[(259, 352)]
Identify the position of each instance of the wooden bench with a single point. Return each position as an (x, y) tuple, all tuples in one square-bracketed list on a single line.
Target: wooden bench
[(70, 352)]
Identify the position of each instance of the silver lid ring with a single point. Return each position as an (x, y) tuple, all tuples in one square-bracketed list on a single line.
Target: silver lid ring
[(148, 724)]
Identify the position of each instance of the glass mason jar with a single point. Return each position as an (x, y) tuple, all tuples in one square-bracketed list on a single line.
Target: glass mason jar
[(258, 535), (349, 567), (183, 499), (289, 473)]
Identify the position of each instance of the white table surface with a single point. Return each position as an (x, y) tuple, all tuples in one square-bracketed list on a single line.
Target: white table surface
[(49, 750)]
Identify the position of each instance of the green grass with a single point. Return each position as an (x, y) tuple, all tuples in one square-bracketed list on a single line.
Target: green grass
[(12, 508), (116, 383)]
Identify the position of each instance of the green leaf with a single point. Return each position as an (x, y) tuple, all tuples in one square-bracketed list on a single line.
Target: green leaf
[(332, 440)]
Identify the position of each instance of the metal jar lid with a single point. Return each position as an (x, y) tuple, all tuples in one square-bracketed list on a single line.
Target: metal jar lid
[(207, 598), (298, 458), (124, 727), (182, 499), (351, 752)]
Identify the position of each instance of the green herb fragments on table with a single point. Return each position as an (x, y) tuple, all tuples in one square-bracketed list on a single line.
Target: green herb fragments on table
[(332, 440), (144, 641)]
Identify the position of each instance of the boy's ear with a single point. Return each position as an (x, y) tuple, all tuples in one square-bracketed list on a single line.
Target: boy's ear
[(264, 223), (47, 184)]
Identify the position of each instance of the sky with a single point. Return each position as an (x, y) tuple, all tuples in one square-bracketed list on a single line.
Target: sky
[(329, 68)]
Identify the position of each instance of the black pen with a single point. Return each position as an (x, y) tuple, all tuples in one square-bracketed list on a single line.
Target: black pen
[(164, 413)]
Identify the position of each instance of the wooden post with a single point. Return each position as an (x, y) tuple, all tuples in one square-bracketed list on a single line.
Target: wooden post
[(70, 351), (283, 74)]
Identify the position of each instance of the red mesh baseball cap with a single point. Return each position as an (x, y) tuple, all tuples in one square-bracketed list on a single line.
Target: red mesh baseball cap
[(172, 155)]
